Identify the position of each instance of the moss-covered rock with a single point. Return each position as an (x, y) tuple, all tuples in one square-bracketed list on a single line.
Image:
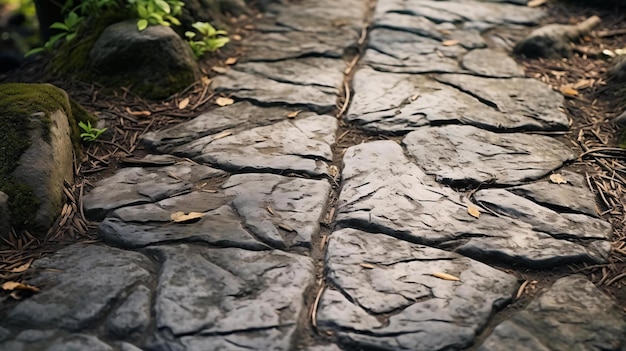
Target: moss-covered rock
[(38, 135)]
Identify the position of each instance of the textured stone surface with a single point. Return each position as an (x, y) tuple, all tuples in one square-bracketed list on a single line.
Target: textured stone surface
[(571, 315), (384, 192), (465, 154), (82, 282), (400, 103), (281, 147), (136, 185), (230, 295), (428, 313), (33, 340), (491, 63), (132, 318)]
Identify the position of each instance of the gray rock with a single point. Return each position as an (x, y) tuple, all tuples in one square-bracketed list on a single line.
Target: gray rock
[(133, 316), (491, 63), (400, 103), (618, 72), (384, 192), (574, 196), (34, 340), (542, 219), (284, 45), (329, 347), (156, 61), (428, 313), (230, 295), (82, 283), (136, 185), (519, 96), (465, 154), (296, 204), (239, 116), (571, 315), (281, 147), (5, 216)]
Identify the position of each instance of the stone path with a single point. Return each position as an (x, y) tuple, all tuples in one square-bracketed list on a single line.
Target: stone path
[(284, 232)]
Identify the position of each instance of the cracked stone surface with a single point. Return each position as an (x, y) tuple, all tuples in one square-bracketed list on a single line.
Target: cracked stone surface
[(465, 154), (427, 313), (400, 103), (139, 185), (492, 63), (571, 315), (385, 192), (282, 147)]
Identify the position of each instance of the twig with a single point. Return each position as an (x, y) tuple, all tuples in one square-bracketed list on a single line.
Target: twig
[(316, 304)]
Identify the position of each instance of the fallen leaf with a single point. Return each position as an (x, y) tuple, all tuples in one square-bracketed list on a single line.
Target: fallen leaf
[(236, 37), (294, 114), (558, 179), (205, 81), (333, 171), (473, 211), (219, 69), (16, 295), (414, 97), (445, 31), (224, 101), (183, 103), (536, 3), (181, 217), (367, 265), (286, 227), (231, 61), (269, 209), (138, 113), (450, 42), (11, 286), (445, 276), (582, 84), (223, 134), (21, 268), (609, 53), (568, 91)]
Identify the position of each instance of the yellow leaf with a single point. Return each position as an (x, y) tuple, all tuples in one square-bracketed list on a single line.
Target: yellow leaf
[(367, 265), (568, 91), (224, 101), (21, 268), (10, 286), (181, 217), (536, 3), (205, 81), (445, 276), (450, 42), (473, 211), (219, 69), (557, 179), (183, 103), (231, 61), (294, 114)]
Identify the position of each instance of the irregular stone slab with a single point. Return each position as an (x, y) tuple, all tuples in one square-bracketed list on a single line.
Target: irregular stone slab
[(132, 318), (399, 103), (329, 347), (282, 147), (284, 45), (519, 96), (265, 91), (465, 154), (571, 315), (428, 313), (578, 226), (321, 16), (230, 295), (35, 340), (491, 63), (137, 185), (296, 204), (94, 278), (241, 115), (384, 192), (574, 196)]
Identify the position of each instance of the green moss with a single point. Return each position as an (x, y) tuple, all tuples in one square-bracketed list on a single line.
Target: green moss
[(18, 102)]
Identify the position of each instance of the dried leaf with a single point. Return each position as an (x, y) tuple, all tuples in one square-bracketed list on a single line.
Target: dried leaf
[(445, 276), (286, 227), (219, 69), (230, 61), (236, 37), (333, 171), (536, 3), (138, 113), (473, 211), (181, 217), (269, 209), (450, 42), (21, 268), (11, 286), (568, 90), (223, 134), (414, 97), (294, 114), (558, 179), (183, 103), (205, 81), (224, 101), (582, 84), (367, 265)]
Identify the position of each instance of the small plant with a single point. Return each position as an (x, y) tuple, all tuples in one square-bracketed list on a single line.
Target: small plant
[(212, 39), (69, 28), (90, 133), (161, 12)]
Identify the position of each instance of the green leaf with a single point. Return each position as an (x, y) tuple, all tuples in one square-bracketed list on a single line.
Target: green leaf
[(190, 34), (157, 17), (59, 25), (142, 24), (142, 12), (163, 5), (34, 51), (70, 36), (173, 20)]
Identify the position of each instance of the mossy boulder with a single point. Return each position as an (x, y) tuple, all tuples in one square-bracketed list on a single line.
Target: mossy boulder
[(155, 62), (38, 137)]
